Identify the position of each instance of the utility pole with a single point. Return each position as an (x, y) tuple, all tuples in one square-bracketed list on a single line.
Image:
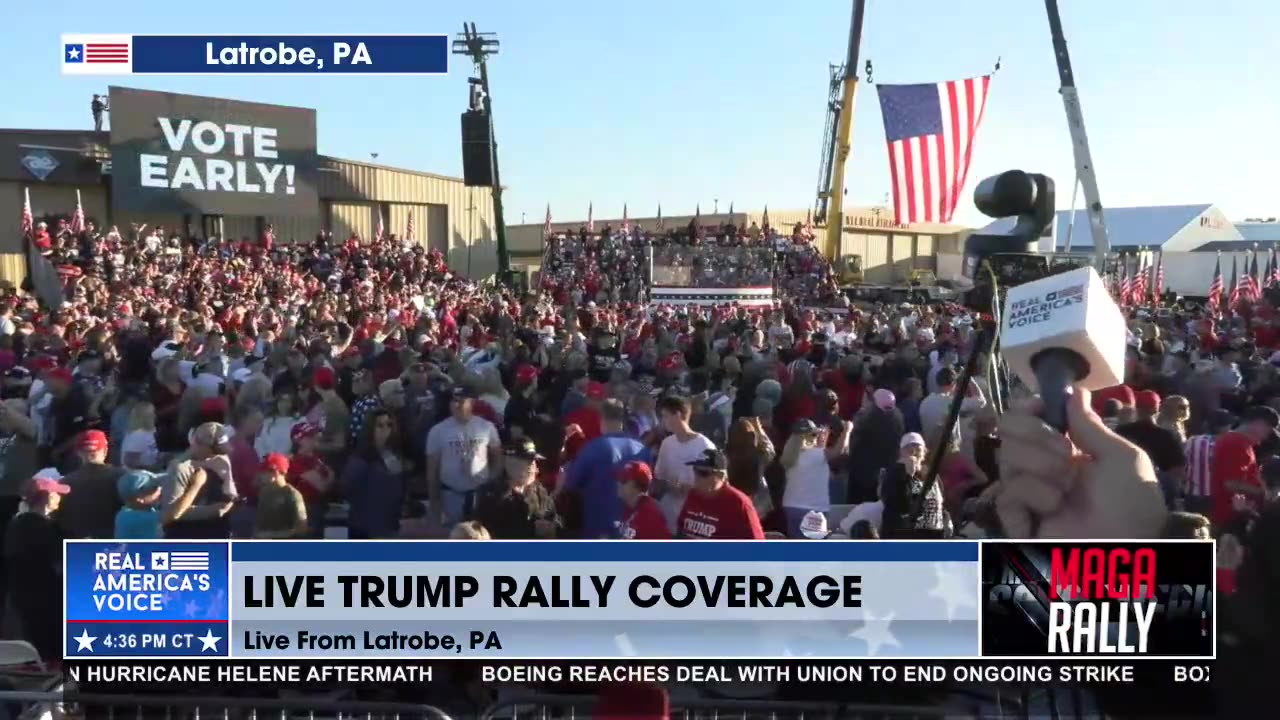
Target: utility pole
[(479, 46), (1079, 140)]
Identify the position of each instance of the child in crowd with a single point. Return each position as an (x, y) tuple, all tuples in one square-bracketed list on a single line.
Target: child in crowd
[(139, 450), (139, 519), (281, 513), (642, 516)]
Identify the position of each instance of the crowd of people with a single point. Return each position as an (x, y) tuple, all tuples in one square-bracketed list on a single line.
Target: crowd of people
[(211, 389), (620, 265)]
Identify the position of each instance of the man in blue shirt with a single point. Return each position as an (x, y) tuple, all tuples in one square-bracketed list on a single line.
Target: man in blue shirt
[(593, 473)]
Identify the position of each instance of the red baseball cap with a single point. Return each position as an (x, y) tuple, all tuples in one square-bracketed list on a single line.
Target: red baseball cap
[(597, 391), (526, 374), (1123, 393), (39, 485), (636, 472), (213, 406), (1147, 401), (275, 462), (324, 378), (92, 440)]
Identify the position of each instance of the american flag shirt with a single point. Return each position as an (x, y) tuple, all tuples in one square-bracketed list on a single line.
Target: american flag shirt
[(1199, 454)]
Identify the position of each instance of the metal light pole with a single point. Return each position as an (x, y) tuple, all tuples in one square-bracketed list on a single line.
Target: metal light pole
[(479, 46)]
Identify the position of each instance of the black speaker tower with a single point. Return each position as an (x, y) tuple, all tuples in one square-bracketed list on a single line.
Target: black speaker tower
[(477, 157)]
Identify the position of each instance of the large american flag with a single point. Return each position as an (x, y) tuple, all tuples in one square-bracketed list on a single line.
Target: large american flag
[(28, 220), (1269, 278), (1126, 287), (408, 230), (1215, 287), (930, 130)]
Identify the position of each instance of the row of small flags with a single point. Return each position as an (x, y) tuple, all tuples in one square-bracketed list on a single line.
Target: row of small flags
[(591, 220), (1246, 288), (1133, 290), (29, 220), (1243, 288), (78, 222), (697, 213)]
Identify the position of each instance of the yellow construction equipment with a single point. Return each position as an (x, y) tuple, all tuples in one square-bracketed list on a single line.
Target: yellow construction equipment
[(838, 140)]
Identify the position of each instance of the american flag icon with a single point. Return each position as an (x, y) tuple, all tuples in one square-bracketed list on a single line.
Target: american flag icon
[(177, 561), (97, 54)]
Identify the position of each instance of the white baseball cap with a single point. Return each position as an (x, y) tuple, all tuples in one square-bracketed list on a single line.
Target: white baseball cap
[(911, 438), (814, 525)]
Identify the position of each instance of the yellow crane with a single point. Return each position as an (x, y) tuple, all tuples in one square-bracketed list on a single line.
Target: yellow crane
[(838, 141)]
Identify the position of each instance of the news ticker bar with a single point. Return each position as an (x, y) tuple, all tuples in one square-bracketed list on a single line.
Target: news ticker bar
[(181, 672), (519, 600), (276, 54)]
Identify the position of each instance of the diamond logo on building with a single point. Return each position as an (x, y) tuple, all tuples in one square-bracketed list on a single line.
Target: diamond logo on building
[(40, 163)]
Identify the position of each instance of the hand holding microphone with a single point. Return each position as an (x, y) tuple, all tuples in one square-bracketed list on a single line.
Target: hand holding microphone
[(1092, 483), (1064, 473)]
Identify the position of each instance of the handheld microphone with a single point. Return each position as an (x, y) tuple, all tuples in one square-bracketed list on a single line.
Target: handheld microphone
[(1061, 331)]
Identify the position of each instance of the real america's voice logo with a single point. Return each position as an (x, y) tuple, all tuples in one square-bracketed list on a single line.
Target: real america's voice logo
[(1098, 599), (126, 581)]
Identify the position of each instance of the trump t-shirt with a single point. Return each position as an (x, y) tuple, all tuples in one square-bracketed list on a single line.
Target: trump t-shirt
[(726, 514)]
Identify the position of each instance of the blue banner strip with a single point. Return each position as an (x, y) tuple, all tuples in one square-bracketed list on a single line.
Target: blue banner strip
[(605, 551), (291, 54), (137, 639)]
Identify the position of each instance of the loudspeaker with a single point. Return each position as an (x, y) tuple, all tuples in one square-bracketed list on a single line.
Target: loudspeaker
[(477, 162)]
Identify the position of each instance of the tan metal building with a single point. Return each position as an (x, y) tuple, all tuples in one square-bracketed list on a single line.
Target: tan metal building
[(889, 251), (53, 164)]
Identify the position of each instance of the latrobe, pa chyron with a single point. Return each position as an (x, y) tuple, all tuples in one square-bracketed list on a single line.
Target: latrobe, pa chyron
[(422, 641)]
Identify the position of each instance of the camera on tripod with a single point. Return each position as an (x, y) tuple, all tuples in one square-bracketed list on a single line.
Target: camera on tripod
[(1029, 198)]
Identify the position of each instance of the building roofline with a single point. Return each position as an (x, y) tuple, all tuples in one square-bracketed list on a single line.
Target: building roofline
[(55, 131), (410, 171)]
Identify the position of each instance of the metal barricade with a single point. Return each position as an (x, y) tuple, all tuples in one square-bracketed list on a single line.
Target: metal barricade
[(556, 707), (975, 703), (76, 706)]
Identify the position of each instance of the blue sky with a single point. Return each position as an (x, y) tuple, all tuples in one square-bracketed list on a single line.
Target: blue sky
[(681, 103)]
